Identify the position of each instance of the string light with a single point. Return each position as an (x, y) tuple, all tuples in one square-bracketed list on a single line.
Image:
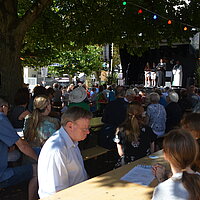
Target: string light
[(155, 17), (124, 3), (169, 21)]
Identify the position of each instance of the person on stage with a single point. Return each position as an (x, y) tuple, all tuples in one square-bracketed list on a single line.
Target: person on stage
[(153, 75), (161, 67), (147, 75), (177, 74)]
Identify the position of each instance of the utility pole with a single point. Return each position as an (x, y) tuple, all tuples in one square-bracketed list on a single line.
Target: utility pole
[(108, 57)]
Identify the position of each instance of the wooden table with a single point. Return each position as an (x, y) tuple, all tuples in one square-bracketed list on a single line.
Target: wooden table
[(108, 186), (93, 152)]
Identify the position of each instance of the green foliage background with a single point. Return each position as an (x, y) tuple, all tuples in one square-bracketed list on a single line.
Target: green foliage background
[(66, 30)]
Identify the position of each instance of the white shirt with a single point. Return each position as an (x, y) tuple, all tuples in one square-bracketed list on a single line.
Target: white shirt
[(60, 164), (171, 189)]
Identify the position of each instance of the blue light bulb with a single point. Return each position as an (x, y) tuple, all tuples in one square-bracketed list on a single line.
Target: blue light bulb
[(155, 17)]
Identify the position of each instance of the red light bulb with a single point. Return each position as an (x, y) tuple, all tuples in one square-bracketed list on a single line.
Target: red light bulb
[(140, 11), (169, 22)]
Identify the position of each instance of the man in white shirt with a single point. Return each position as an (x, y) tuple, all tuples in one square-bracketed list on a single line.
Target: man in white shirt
[(60, 163)]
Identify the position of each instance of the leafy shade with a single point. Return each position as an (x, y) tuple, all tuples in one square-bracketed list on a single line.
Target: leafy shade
[(86, 22), (87, 60)]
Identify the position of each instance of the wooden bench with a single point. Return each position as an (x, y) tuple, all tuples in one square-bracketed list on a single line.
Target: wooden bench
[(93, 152), (96, 123)]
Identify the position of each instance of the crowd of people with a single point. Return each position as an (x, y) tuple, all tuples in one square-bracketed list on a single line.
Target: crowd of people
[(137, 122)]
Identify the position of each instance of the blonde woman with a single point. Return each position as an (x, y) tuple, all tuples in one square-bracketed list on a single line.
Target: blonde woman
[(134, 139), (39, 126), (180, 150)]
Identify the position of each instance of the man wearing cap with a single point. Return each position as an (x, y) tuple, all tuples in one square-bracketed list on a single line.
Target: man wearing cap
[(77, 97), (60, 163)]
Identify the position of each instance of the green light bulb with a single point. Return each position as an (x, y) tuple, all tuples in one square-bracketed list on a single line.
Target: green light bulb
[(124, 3)]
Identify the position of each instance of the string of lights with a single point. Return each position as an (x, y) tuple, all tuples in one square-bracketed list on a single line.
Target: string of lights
[(155, 16)]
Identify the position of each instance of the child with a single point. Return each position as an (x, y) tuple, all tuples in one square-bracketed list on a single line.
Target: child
[(180, 150)]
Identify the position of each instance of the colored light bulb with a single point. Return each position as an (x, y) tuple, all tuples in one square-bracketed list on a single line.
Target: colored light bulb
[(124, 3), (169, 22), (140, 11), (185, 28), (155, 17)]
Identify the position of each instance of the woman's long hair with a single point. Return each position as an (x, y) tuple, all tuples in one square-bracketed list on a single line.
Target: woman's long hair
[(181, 149), (39, 106), (131, 126)]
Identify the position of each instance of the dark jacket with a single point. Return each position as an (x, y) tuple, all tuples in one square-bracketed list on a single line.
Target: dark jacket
[(115, 112), (174, 115)]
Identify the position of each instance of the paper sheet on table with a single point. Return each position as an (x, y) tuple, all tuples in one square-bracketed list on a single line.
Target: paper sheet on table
[(141, 174)]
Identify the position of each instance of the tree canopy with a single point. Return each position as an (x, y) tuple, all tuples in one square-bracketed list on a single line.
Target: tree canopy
[(87, 60), (39, 31), (86, 22)]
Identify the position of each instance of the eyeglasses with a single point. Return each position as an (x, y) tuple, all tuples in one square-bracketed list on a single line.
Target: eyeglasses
[(83, 129)]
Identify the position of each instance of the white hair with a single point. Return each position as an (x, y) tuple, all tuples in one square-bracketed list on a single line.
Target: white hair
[(130, 92), (173, 96)]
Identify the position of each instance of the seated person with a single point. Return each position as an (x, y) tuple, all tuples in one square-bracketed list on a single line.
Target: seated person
[(38, 90), (130, 95), (192, 97), (57, 95), (184, 102), (190, 122), (77, 97), (173, 111), (60, 163), (16, 175), (134, 139), (101, 99), (113, 115), (55, 111), (156, 114), (93, 98), (38, 125), (19, 112), (180, 150)]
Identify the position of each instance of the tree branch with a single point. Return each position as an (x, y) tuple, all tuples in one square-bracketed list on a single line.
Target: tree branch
[(8, 14), (32, 14)]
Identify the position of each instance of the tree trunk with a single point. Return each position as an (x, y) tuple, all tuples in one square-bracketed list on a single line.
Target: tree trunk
[(10, 67), (12, 32)]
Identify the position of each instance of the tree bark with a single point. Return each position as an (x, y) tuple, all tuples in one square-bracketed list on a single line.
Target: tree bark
[(10, 68), (12, 32)]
